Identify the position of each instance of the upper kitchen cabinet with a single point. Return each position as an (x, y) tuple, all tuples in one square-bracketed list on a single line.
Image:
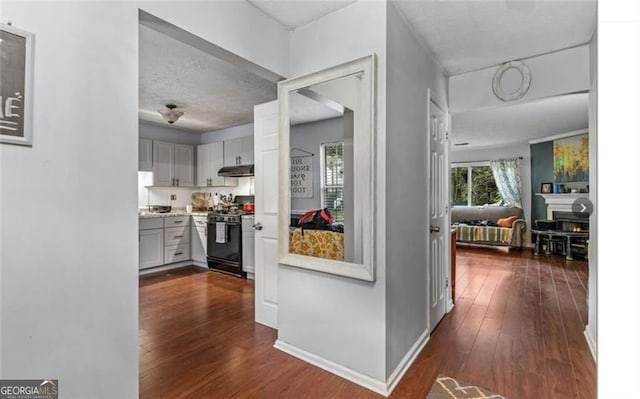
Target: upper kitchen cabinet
[(238, 151), (210, 160), (145, 155), (173, 165)]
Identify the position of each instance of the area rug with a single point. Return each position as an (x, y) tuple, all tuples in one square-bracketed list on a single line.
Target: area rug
[(448, 388)]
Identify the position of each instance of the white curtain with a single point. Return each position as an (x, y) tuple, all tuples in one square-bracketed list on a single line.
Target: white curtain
[(506, 173)]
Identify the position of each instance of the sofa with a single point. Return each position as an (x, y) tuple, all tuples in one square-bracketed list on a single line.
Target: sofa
[(478, 225)]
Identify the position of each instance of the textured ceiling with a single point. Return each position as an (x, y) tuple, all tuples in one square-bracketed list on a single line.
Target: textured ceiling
[(213, 94), (522, 122), (471, 35), (295, 13)]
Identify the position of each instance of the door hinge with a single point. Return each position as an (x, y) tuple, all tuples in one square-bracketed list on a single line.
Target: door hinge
[(447, 279), (446, 135)]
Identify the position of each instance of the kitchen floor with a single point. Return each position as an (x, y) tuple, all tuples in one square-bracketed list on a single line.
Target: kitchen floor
[(516, 329)]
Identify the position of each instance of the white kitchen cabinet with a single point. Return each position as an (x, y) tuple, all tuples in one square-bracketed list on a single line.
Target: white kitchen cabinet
[(151, 243), (232, 149), (176, 253), (199, 243), (145, 155), (238, 151), (177, 235), (210, 160), (248, 245), (163, 161), (173, 164), (184, 165), (177, 239), (246, 150)]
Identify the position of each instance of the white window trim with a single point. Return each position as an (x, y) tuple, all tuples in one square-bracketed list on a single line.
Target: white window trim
[(323, 179), (469, 166)]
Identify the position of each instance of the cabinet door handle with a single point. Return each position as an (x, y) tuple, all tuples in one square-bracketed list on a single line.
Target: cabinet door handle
[(177, 182), (173, 181), (178, 236), (178, 253), (177, 222)]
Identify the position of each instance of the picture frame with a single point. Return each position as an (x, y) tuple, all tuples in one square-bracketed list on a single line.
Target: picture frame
[(546, 188), (16, 86)]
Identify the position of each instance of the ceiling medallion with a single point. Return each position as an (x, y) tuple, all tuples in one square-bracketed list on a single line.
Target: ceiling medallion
[(524, 84)]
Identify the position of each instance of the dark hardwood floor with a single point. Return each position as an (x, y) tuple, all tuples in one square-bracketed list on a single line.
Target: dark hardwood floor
[(516, 329)]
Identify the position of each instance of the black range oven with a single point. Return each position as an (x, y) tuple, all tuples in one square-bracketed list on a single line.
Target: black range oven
[(224, 243)]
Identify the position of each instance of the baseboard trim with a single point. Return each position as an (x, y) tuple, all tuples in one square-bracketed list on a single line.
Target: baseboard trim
[(201, 264), (337, 369), (591, 343), (172, 266), (407, 361), (165, 267)]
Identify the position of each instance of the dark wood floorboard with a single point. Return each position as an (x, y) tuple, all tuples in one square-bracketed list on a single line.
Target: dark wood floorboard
[(516, 329)]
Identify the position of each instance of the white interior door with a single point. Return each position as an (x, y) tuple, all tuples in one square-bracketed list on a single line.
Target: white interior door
[(266, 212), (438, 203)]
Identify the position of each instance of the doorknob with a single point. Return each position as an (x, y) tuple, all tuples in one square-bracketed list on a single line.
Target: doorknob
[(257, 226), (435, 229)]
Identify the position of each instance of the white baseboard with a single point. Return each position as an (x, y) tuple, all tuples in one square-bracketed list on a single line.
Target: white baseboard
[(337, 369), (201, 264), (407, 361), (591, 342), (171, 266)]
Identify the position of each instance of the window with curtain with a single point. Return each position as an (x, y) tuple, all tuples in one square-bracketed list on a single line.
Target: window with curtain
[(473, 184), (332, 178)]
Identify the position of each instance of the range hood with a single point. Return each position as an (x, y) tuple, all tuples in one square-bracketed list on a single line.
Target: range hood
[(236, 171)]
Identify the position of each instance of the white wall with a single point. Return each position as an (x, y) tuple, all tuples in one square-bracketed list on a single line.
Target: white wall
[(168, 134), (69, 224), (336, 318), (412, 70), (309, 137), (509, 151), (229, 133), (69, 305), (565, 71)]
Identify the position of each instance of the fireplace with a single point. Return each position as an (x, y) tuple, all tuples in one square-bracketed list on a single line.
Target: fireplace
[(567, 221)]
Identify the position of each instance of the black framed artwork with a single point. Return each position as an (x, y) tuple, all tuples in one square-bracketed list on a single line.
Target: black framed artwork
[(546, 188)]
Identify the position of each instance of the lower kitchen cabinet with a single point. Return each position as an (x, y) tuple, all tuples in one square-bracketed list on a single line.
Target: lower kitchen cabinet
[(248, 245), (176, 253), (177, 239), (151, 248), (199, 239)]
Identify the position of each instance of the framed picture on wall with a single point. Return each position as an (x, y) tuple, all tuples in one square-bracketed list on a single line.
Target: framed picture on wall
[(546, 188), (16, 85)]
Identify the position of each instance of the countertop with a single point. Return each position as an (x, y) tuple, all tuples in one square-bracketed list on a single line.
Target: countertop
[(147, 215)]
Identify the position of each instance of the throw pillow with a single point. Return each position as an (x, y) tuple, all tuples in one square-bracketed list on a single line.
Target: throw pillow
[(507, 222)]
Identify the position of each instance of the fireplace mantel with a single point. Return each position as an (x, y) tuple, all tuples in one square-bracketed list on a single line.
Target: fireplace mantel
[(560, 202)]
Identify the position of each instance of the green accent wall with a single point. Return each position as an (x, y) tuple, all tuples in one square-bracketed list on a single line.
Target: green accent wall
[(541, 172)]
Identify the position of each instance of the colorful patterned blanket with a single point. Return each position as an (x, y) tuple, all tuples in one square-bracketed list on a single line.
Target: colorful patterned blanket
[(318, 243), (484, 234)]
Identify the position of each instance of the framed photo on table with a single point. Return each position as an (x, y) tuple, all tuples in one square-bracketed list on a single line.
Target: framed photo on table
[(16, 86), (546, 188)]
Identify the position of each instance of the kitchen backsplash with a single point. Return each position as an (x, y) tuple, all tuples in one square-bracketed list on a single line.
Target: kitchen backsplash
[(162, 195)]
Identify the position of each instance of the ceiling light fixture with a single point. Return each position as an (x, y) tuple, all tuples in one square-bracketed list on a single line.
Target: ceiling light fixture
[(171, 114)]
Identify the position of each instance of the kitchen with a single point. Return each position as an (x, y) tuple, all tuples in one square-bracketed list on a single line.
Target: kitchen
[(196, 153)]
